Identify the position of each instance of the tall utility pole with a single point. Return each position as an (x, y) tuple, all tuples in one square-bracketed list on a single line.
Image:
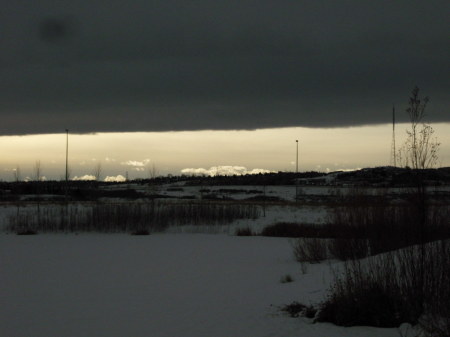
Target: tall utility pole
[(393, 150), (296, 171), (67, 163)]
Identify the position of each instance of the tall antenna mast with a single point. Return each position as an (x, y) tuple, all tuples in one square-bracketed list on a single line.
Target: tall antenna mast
[(393, 150), (67, 165)]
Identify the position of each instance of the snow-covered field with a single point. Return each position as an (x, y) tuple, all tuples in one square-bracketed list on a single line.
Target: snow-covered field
[(159, 285), (284, 192), (174, 284)]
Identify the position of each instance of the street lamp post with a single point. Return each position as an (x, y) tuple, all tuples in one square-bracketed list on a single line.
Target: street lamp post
[(67, 164), (296, 172)]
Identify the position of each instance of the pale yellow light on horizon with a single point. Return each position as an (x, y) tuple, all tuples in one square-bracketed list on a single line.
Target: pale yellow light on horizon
[(272, 149)]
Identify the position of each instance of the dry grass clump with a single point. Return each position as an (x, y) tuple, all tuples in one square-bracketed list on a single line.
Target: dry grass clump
[(127, 217)]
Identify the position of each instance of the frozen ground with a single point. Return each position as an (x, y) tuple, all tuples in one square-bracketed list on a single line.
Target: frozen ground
[(160, 285)]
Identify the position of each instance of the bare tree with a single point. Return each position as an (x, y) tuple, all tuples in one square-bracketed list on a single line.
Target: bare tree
[(152, 171), (420, 150), (97, 171)]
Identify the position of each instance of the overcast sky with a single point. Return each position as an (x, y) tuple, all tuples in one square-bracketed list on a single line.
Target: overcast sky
[(96, 66)]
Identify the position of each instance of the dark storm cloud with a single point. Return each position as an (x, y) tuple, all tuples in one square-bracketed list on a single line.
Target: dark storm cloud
[(186, 65)]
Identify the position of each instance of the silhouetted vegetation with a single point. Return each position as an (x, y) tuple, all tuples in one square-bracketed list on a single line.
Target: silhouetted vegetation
[(312, 250), (92, 190), (244, 232), (128, 217), (296, 309), (286, 279), (385, 290), (289, 230)]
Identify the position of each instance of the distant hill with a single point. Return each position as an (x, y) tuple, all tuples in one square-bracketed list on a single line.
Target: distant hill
[(393, 176)]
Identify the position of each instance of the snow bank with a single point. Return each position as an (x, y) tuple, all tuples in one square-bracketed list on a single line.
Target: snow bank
[(159, 285)]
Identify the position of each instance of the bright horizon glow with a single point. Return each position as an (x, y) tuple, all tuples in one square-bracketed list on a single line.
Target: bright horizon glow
[(320, 149)]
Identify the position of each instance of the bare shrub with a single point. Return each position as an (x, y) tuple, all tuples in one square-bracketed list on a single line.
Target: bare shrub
[(26, 232), (410, 283), (244, 232), (364, 227), (141, 232), (296, 309), (296, 230), (312, 250), (283, 229), (436, 319), (348, 248), (286, 279), (389, 289)]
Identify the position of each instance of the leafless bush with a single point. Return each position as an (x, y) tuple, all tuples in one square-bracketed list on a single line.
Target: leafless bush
[(312, 250), (364, 227), (247, 231), (296, 309), (389, 289), (286, 279), (436, 319), (348, 248), (410, 283), (298, 230)]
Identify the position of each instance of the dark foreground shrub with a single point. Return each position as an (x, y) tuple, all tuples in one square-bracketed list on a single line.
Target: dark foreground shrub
[(244, 232), (286, 279), (409, 285), (312, 250), (26, 232), (296, 230), (368, 304), (348, 248), (436, 319), (141, 232), (296, 309), (367, 227), (284, 229), (310, 312)]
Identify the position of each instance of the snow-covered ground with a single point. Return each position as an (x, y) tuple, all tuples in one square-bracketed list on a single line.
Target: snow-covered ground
[(160, 285), (171, 284)]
